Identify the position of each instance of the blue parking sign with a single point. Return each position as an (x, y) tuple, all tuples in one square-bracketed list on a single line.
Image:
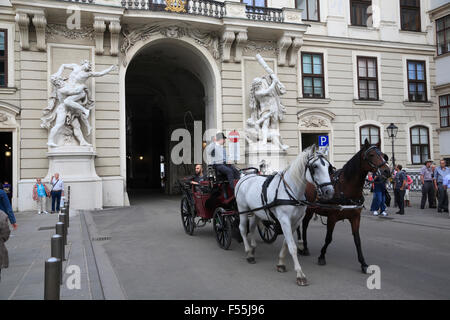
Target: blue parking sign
[(323, 141)]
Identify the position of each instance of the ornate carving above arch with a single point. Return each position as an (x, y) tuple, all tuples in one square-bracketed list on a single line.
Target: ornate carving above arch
[(209, 40), (315, 118), (8, 113)]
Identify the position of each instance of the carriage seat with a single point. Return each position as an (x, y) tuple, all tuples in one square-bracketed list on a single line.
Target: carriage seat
[(214, 175)]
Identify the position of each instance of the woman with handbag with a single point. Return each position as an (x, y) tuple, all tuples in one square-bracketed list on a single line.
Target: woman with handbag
[(40, 194)]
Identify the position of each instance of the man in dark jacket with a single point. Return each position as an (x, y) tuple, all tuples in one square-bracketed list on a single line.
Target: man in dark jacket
[(400, 183), (5, 206)]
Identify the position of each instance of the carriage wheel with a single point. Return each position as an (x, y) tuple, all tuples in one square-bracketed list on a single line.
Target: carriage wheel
[(222, 228), (186, 216), (267, 231)]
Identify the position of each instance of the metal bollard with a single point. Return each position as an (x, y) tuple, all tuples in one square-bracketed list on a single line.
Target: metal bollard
[(62, 218), (52, 279), (60, 229), (57, 248), (65, 210)]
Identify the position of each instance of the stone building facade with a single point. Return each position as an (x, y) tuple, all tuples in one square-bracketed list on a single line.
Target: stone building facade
[(350, 69)]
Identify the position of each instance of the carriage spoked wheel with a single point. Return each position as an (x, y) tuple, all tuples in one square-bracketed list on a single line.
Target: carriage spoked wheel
[(223, 228), (267, 231), (186, 216)]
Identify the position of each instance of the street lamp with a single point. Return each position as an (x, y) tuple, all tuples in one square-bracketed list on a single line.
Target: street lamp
[(392, 130)]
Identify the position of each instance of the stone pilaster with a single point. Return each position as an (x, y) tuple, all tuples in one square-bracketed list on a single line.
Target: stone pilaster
[(228, 37), (241, 41), (99, 31), (283, 43), (40, 22), (114, 29), (23, 21)]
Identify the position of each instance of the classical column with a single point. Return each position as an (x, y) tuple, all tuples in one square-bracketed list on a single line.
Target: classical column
[(99, 30), (40, 22), (23, 21), (114, 30)]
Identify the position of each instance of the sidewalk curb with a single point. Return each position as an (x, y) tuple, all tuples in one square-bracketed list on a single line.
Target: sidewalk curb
[(112, 290)]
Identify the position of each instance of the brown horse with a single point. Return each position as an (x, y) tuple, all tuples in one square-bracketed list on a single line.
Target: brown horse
[(348, 185)]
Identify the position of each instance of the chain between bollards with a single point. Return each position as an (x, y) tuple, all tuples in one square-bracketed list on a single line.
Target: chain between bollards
[(52, 278)]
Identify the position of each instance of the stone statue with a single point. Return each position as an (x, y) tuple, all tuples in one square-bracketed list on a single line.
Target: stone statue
[(70, 104), (266, 110)]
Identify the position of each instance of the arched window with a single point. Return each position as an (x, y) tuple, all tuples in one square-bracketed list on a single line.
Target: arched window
[(369, 132), (420, 144)]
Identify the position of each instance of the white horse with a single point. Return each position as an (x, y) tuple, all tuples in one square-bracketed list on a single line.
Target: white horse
[(309, 166)]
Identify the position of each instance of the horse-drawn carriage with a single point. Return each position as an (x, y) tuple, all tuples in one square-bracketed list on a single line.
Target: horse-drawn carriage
[(213, 200)]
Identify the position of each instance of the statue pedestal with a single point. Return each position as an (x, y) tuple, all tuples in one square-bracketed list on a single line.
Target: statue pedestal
[(274, 158), (75, 165)]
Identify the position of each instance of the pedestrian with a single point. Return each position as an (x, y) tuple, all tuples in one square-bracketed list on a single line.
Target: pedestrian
[(439, 175), (56, 192), (40, 194), (4, 236), (5, 206), (219, 159), (409, 182), (394, 173), (8, 189), (399, 188), (379, 198), (426, 177), (446, 184)]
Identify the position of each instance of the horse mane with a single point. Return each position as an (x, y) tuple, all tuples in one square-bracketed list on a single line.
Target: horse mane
[(352, 166), (298, 166)]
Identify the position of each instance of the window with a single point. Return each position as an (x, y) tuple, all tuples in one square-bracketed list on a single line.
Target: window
[(3, 58), (410, 15), (255, 3), (310, 9), (444, 110), (417, 84), (443, 35), (369, 132), (420, 144), (367, 78), (312, 75), (360, 12)]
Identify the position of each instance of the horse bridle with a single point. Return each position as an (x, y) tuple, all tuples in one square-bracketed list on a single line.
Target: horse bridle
[(375, 168), (309, 166)]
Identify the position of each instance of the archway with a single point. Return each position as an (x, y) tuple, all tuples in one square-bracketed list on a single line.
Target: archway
[(168, 86)]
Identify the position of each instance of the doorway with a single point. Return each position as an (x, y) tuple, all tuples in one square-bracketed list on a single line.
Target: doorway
[(6, 162), (162, 94)]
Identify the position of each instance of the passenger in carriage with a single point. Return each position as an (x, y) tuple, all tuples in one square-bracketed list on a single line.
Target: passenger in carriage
[(219, 159), (199, 176)]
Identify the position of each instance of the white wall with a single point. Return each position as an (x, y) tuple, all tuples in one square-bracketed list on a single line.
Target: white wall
[(442, 70)]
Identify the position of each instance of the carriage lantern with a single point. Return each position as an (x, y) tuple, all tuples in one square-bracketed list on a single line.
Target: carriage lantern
[(392, 130)]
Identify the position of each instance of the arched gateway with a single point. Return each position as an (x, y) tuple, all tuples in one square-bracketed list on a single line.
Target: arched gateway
[(166, 83)]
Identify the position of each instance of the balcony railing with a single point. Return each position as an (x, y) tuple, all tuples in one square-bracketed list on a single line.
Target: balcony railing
[(416, 185), (206, 8), (264, 14)]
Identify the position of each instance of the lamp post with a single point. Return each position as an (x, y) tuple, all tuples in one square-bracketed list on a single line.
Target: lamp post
[(392, 130)]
